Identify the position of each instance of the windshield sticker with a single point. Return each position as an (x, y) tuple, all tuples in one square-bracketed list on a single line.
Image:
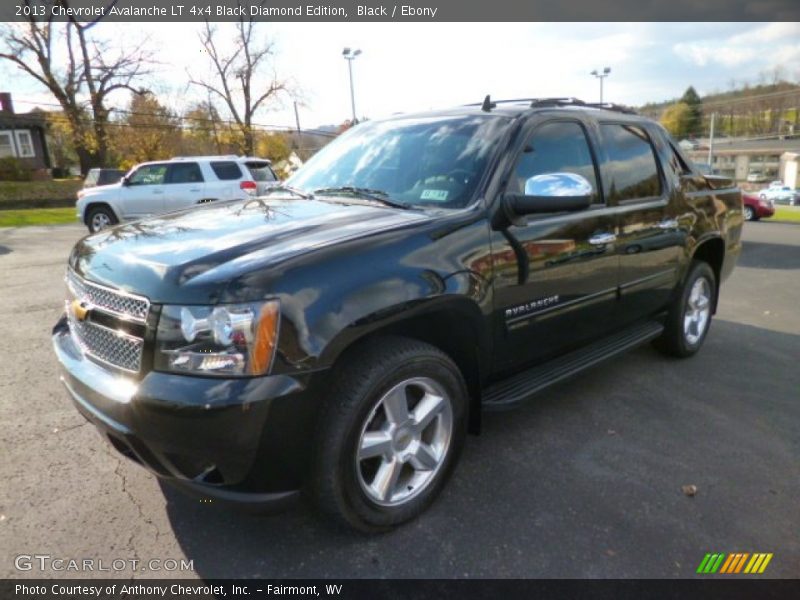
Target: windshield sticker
[(438, 195)]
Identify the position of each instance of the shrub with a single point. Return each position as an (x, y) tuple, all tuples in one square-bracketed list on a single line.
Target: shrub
[(11, 169)]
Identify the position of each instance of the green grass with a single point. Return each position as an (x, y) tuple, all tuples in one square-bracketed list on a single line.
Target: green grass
[(38, 194), (37, 216), (786, 213)]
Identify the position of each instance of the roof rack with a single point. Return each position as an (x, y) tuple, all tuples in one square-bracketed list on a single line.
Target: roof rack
[(488, 104)]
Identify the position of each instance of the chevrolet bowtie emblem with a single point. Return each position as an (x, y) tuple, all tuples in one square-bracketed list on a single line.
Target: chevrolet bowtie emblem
[(80, 310)]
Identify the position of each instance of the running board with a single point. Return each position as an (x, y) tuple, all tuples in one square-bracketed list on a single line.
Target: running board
[(510, 392)]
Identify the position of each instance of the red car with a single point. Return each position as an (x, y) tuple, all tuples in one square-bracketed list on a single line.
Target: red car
[(756, 208)]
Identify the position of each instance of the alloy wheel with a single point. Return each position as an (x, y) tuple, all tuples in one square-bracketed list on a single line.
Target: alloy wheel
[(698, 311), (404, 441)]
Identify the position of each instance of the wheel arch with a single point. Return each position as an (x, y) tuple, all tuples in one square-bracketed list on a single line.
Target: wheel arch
[(711, 250), (456, 326), (98, 204)]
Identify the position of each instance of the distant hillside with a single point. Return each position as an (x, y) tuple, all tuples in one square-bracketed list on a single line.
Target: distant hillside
[(762, 109)]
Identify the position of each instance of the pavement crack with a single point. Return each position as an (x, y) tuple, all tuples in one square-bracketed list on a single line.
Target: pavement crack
[(142, 515)]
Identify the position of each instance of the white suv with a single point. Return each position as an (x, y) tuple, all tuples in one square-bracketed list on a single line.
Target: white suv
[(157, 187)]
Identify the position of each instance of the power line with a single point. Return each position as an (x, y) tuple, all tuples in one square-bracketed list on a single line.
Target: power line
[(168, 115)]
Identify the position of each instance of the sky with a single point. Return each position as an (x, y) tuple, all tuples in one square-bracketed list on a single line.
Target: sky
[(407, 67)]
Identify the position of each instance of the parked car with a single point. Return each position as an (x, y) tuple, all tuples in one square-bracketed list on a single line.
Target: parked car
[(156, 187), (99, 177), (342, 334), (779, 195), (704, 168), (756, 208)]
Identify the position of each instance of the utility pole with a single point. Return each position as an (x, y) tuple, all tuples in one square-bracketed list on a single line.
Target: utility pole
[(711, 141), (297, 121)]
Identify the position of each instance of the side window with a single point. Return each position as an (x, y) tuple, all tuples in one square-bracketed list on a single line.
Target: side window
[(25, 144), (226, 170), (556, 147), (185, 173), (677, 165), (148, 175), (632, 169), (6, 145)]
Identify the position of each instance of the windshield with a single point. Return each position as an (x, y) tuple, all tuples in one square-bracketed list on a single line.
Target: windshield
[(435, 161)]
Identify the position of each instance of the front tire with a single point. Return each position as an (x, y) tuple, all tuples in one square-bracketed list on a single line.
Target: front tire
[(99, 218), (689, 316), (390, 433)]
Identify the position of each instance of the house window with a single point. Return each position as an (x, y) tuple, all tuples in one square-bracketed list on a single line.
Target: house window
[(6, 144), (25, 144)]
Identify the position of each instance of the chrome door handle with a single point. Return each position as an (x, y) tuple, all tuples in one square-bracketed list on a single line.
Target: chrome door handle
[(601, 239), (668, 224), (194, 190)]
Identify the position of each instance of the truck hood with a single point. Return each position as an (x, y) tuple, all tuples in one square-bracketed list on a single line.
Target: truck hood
[(192, 256)]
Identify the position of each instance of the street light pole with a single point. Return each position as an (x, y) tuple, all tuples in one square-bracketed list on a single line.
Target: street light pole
[(350, 55), (601, 75)]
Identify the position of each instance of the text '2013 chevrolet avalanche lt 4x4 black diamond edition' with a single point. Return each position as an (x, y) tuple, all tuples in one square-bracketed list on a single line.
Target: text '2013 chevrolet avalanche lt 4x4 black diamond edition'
[(343, 333)]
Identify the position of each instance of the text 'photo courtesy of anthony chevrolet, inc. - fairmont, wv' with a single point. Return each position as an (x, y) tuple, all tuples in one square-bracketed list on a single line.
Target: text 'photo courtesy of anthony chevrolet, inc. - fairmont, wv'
[(362, 300)]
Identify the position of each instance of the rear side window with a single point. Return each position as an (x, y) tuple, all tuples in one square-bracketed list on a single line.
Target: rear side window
[(631, 169), (226, 170), (185, 173), (261, 171)]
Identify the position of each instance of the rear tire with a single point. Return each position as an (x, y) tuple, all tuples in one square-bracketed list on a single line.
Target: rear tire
[(99, 218), (689, 316), (749, 213), (389, 434)]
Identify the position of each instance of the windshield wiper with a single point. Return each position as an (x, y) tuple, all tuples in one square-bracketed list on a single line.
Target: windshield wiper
[(292, 190), (360, 192)]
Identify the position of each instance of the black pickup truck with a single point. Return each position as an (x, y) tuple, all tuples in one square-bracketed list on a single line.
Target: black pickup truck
[(342, 335)]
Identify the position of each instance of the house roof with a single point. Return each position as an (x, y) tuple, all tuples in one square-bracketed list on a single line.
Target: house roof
[(10, 121)]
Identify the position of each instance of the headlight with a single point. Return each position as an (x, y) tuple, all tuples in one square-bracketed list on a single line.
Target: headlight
[(223, 340)]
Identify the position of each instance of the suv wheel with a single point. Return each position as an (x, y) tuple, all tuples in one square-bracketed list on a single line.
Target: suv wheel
[(390, 433), (690, 315), (100, 217)]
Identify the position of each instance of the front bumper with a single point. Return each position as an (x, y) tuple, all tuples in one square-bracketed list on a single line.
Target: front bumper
[(234, 440)]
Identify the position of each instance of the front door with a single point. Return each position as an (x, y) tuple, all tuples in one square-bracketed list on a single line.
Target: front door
[(143, 193), (556, 275), (184, 186)]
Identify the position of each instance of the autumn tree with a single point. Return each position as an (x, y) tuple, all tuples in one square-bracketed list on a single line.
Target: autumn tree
[(79, 69), (146, 131), (203, 130), (243, 78), (272, 145), (677, 119)]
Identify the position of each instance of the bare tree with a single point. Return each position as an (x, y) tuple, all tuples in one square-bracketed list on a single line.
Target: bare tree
[(244, 77), (80, 72)]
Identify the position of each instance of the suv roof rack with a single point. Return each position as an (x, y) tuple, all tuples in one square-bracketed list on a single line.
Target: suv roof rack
[(488, 104)]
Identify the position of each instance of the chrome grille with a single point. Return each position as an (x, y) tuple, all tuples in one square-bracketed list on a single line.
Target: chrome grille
[(116, 302), (113, 347)]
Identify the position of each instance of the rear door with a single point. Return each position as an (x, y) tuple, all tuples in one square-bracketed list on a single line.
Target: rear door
[(185, 186), (143, 192), (228, 175), (555, 273), (650, 238)]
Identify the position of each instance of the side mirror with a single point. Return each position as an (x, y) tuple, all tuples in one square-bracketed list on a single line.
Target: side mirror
[(124, 181), (553, 192)]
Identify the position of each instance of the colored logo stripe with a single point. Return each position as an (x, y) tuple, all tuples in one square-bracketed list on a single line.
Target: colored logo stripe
[(734, 563)]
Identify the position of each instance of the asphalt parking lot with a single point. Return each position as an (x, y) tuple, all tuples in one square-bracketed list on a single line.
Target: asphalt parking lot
[(584, 481)]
